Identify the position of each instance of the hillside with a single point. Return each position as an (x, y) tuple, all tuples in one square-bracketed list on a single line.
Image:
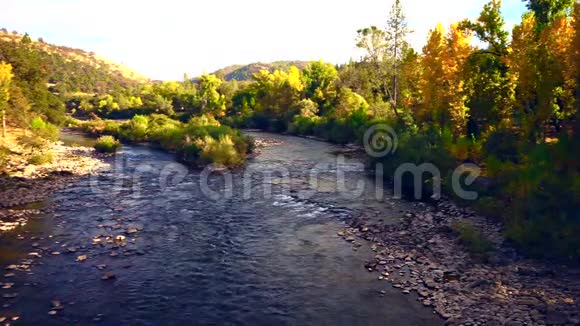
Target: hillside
[(68, 69), (245, 72)]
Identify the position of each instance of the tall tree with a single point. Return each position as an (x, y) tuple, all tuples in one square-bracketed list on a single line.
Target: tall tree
[(490, 80), (372, 40), (548, 10), (319, 83), (396, 33), (370, 77), (410, 75), (432, 78), (523, 64), (575, 54), (211, 100), (456, 55), (489, 28), (5, 81)]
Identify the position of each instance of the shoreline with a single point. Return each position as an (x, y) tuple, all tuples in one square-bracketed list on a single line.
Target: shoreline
[(423, 255), (25, 186)]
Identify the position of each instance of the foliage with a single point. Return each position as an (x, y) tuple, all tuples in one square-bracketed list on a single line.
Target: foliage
[(107, 144), (43, 129), (201, 141), (218, 151), (4, 157), (471, 237), (510, 106), (41, 157), (5, 83)]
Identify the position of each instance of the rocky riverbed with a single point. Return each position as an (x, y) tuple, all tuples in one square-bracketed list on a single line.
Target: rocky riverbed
[(25, 186), (424, 255)]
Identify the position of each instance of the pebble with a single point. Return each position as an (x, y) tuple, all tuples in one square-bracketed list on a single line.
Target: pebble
[(464, 289), (108, 276)]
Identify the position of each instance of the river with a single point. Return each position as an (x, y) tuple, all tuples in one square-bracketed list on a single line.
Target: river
[(186, 258)]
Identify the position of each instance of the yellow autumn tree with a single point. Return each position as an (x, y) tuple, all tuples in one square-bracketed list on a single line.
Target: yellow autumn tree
[(522, 61), (410, 76), (575, 54), (560, 71), (278, 92), (432, 77), (455, 95), (5, 81)]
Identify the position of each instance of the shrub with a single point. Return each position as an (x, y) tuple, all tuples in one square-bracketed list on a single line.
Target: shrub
[(414, 148), (203, 121), (33, 142), (44, 130), (4, 154), (472, 238), (41, 157), (107, 144), (502, 144), (218, 151), (542, 192), (201, 141), (136, 129)]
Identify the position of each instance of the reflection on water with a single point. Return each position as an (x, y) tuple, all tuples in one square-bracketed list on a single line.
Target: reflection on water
[(186, 259), (74, 138)]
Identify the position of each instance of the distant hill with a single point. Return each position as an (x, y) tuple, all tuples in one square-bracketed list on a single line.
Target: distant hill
[(245, 72), (69, 70)]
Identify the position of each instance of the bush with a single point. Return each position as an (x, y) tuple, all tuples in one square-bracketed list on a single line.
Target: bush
[(44, 130), (543, 195), (107, 144), (203, 121), (472, 238), (202, 140), (4, 155), (219, 151), (502, 144), (415, 148), (33, 143), (41, 157), (136, 129)]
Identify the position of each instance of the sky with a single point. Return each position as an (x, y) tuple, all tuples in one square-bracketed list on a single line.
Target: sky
[(165, 39)]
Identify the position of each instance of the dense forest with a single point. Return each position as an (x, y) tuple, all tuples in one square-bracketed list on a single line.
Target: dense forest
[(509, 105)]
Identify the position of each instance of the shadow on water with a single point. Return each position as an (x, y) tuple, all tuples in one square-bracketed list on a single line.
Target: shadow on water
[(179, 257)]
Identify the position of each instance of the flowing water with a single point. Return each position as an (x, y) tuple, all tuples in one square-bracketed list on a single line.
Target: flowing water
[(263, 253)]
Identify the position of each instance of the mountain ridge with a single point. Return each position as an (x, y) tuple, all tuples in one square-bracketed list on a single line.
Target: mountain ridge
[(245, 72)]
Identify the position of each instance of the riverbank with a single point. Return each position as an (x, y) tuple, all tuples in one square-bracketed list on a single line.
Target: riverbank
[(24, 186), (169, 255), (424, 255)]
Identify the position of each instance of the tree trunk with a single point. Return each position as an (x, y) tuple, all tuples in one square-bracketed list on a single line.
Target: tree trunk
[(395, 86), (395, 76), (4, 123)]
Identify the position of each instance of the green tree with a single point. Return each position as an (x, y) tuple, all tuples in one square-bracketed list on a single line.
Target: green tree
[(490, 81), (319, 82), (395, 36), (489, 28), (26, 39), (210, 99), (548, 10)]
